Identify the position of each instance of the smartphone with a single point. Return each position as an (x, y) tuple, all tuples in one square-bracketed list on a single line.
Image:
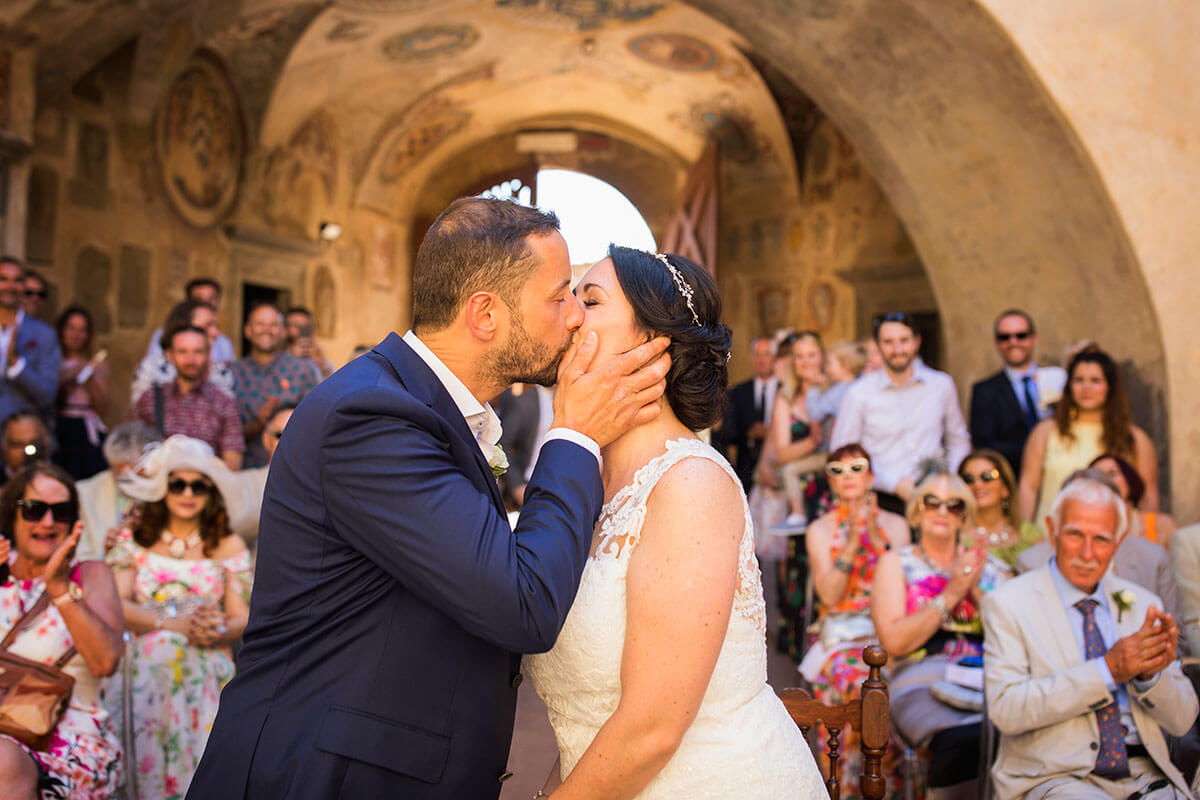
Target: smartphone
[(306, 330)]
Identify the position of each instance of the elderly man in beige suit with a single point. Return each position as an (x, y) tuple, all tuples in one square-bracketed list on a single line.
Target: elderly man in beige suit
[(1080, 668)]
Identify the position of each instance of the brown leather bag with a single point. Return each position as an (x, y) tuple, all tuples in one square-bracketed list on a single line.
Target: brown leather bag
[(33, 695)]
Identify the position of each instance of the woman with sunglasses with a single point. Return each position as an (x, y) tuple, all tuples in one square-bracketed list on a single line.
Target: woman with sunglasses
[(39, 509), (991, 481), (925, 606), (844, 547), (185, 582)]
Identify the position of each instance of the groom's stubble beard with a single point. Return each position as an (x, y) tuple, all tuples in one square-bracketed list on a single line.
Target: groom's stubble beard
[(523, 359)]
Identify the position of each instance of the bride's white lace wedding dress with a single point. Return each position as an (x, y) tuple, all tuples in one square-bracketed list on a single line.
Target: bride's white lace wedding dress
[(742, 743)]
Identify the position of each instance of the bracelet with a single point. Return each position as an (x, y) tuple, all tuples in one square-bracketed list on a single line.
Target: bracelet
[(842, 566), (939, 604)]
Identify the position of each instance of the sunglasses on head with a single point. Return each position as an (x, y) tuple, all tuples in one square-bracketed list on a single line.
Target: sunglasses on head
[(1019, 336), (985, 477), (35, 511), (955, 505), (837, 468), (198, 487)]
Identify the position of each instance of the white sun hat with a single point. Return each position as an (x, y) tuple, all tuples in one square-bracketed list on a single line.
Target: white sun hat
[(147, 481)]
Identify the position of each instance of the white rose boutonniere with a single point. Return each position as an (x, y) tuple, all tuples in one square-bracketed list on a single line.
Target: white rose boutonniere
[(498, 462), (1124, 600)]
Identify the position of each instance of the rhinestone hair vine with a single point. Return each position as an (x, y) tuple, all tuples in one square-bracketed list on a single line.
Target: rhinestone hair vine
[(684, 289)]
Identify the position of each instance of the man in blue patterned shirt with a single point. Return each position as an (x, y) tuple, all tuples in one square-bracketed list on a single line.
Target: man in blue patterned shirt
[(267, 378)]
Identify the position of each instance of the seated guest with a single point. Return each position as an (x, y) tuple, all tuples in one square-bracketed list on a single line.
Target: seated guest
[(102, 504), (1154, 526), (994, 486), (1138, 560), (156, 369), (925, 606), (253, 481), (844, 547), (1080, 668), (184, 580), (26, 441), (1091, 418), (38, 513), (84, 392), (1185, 555)]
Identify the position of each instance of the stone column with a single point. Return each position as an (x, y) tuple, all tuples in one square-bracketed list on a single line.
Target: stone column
[(17, 97)]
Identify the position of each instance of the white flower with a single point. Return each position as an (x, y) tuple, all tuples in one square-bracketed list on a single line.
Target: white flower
[(1124, 600), (498, 462)]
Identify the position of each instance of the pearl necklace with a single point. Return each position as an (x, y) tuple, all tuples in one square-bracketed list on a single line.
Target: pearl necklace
[(176, 548), (995, 538)]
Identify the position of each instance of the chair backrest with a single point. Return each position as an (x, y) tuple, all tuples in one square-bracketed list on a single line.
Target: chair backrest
[(869, 714)]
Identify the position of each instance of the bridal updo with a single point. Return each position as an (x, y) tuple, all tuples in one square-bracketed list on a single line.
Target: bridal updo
[(700, 343)]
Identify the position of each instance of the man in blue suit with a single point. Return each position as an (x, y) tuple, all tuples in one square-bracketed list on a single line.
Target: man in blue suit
[(392, 600), (29, 349)]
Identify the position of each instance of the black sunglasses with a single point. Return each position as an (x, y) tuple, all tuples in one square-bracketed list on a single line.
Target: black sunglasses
[(986, 477), (35, 511), (955, 505), (1019, 336), (179, 485), (36, 293)]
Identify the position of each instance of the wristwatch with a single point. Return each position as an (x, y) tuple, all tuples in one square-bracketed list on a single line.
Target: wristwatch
[(73, 593)]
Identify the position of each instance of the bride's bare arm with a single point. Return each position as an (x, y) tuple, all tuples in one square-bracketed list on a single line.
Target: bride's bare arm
[(679, 594)]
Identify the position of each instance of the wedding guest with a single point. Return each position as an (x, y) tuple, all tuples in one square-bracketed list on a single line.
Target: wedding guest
[(1154, 526), (39, 517), (84, 394), (796, 431), (844, 547), (1092, 418), (102, 503), (28, 351), (748, 412), (253, 481), (298, 321), (1185, 556), (156, 369), (208, 292), (184, 581), (25, 441), (844, 363), (34, 293), (925, 606), (991, 480)]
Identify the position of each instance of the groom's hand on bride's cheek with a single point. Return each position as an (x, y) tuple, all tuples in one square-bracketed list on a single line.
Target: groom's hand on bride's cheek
[(603, 401)]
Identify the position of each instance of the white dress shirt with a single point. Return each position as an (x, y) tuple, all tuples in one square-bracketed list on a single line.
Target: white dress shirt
[(764, 393), (902, 425), (6, 334), (1048, 383), (480, 417)]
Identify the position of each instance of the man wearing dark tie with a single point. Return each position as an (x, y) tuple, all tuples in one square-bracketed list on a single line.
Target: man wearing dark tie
[(1006, 406), (749, 411)]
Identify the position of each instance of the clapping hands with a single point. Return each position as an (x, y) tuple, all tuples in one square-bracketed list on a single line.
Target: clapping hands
[(1145, 652)]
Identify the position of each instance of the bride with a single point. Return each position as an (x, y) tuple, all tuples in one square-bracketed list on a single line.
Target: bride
[(656, 687)]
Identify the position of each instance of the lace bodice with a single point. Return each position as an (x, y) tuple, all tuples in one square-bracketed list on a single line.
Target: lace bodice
[(742, 739)]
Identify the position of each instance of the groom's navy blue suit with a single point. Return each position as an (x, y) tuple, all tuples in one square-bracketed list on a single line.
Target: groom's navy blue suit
[(392, 600)]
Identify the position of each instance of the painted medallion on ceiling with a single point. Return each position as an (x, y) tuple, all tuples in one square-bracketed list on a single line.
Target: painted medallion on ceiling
[(429, 42), (674, 51), (580, 15), (200, 142)]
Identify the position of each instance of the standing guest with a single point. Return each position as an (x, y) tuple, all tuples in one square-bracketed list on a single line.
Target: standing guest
[(525, 411), (298, 321), (184, 582), (84, 393), (796, 433), (267, 378), (38, 515), (157, 370), (102, 503), (1007, 406), (904, 414), (28, 349), (33, 294), (844, 363), (1080, 670), (748, 413), (208, 292), (1092, 418), (937, 574), (190, 404), (1154, 526), (25, 439), (844, 547), (987, 473), (874, 357), (253, 481)]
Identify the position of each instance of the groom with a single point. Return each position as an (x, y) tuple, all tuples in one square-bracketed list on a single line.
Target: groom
[(392, 600)]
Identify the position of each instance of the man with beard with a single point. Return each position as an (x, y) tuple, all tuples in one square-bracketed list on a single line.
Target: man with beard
[(190, 404), (392, 600), (905, 415), (28, 349)]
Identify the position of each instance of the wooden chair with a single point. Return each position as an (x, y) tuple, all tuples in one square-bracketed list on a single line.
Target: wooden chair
[(870, 715)]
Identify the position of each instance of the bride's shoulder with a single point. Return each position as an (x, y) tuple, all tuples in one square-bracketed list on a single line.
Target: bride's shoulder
[(698, 485)]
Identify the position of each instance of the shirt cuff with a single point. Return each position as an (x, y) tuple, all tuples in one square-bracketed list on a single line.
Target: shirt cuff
[(576, 437), (1105, 674), (15, 369), (1141, 687)]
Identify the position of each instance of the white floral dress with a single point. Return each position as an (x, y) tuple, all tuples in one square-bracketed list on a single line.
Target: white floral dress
[(173, 686), (83, 760)]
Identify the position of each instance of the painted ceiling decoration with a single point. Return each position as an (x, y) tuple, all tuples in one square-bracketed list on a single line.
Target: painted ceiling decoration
[(430, 42), (674, 51), (581, 15)]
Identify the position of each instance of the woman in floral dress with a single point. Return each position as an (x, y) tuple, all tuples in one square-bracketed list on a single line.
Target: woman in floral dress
[(844, 547), (38, 507), (185, 580)]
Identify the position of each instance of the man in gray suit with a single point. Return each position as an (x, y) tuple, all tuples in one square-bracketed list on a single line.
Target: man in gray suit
[(28, 350), (1080, 668)]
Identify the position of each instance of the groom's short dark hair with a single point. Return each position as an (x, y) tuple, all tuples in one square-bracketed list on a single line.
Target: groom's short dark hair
[(476, 244)]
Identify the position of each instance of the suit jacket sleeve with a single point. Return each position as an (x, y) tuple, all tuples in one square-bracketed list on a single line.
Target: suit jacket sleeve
[(39, 380), (1171, 701), (1017, 702), (395, 493), (985, 422), (1185, 553)]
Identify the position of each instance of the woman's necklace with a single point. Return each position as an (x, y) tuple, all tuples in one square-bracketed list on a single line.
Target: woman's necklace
[(929, 562), (176, 547), (996, 538)]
